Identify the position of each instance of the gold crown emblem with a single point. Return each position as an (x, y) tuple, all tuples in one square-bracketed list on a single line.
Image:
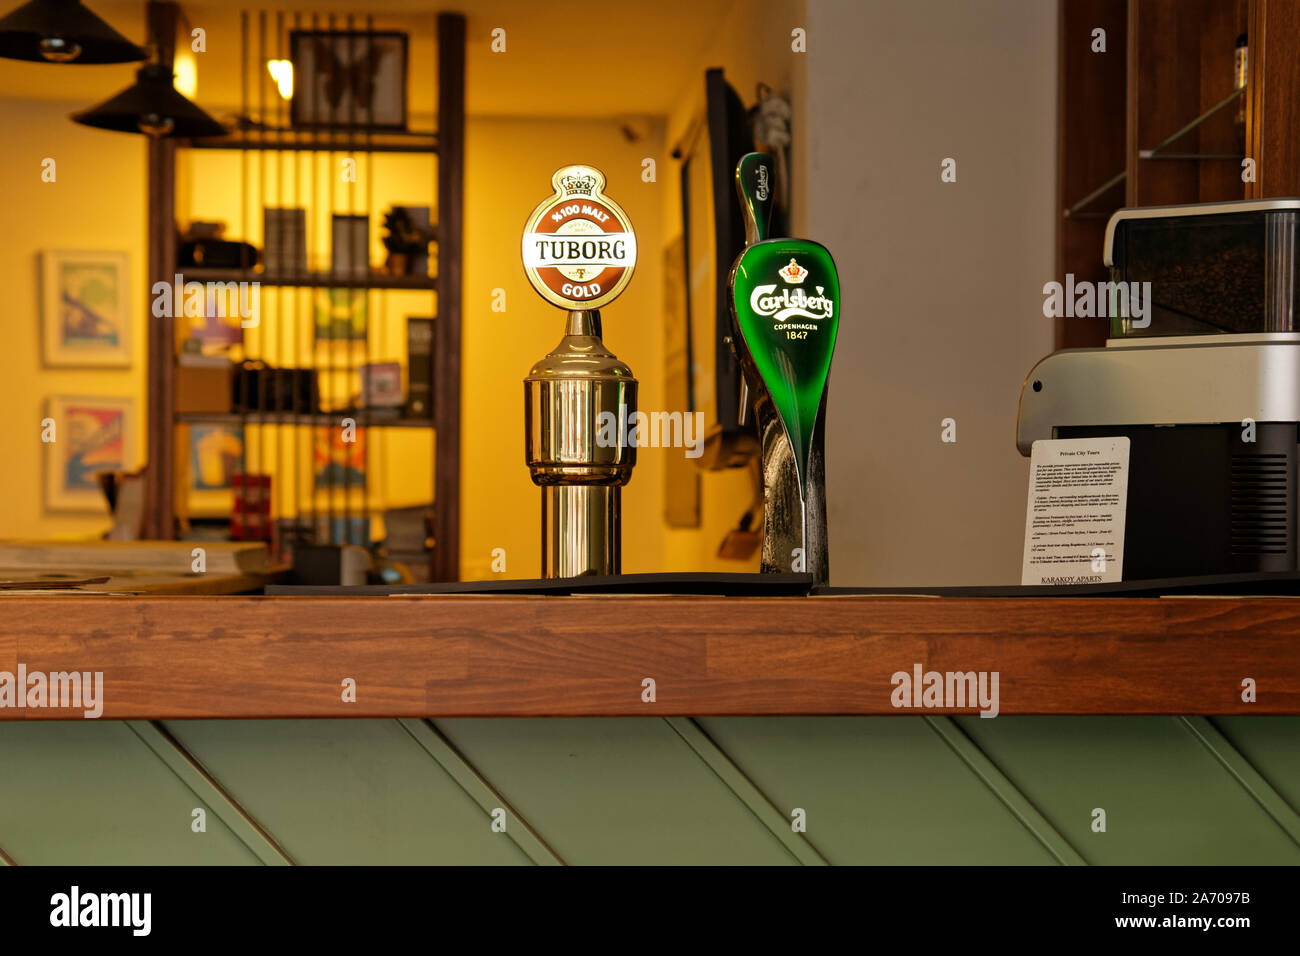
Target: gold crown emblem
[(578, 185), (793, 273)]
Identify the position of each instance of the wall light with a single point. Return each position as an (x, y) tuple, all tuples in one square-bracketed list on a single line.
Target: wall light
[(282, 72), (185, 66)]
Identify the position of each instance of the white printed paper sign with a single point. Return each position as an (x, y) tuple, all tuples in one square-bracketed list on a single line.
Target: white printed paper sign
[(1074, 523)]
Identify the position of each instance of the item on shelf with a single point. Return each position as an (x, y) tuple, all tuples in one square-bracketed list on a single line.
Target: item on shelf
[(419, 367), (251, 518), (408, 540), (284, 240), (381, 385), (263, 388), (323, 565), (350, 248), (338, 459), (198, 229), (215, 456), (215, 254), (1240, 62), (403, 555), (348, 79), (407, 531), (339, 315), (353, 530), (203, 383), (770, 121), (125, 495), (409, 232)]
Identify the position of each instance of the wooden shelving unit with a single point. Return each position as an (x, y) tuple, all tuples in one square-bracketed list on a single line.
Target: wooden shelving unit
[(1152, 121), (301, 418), (263, 129), (287, 139), (314, 280)]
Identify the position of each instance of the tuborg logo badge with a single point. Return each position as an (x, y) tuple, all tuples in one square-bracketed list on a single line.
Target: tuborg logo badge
[(578, 248)]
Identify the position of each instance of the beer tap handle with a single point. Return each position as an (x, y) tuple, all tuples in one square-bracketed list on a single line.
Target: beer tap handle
[(756, 185)]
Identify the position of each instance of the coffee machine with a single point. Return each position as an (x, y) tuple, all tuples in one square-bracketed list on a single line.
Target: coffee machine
[(1202, 377)]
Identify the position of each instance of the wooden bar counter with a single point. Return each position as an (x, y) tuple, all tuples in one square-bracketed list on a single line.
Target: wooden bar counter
[(445, 656)]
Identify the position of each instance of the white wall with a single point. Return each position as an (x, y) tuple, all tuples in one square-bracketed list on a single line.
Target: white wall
[(941, 282)]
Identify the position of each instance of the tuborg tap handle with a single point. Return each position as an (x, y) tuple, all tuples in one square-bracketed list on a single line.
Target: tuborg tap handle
[(579, 252), (785, 296)]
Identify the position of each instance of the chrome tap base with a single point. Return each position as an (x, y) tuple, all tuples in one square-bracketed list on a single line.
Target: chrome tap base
[(581, 530), (578, 401)]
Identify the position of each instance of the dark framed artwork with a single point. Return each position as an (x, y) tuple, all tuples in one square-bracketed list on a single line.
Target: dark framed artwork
[(348, 79)]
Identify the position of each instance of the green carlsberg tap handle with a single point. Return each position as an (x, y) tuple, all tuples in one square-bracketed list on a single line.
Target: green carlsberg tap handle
[(756, 184), (785, 298), (785, 307)]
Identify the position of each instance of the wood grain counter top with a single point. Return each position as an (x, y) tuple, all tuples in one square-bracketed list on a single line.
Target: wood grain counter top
[(474, 655)]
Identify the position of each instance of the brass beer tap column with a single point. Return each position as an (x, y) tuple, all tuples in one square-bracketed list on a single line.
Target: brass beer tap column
[(579, 252)]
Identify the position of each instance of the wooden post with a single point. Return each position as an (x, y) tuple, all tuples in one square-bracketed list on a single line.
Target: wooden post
[(445, 560), (1273, 109), (160, 368)]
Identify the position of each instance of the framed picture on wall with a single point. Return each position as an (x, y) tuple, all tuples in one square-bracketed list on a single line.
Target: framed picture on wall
[(348, 79), (89, 435), (85, 309)]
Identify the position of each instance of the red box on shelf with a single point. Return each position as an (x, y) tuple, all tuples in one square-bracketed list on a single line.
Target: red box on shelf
[(251, 519)]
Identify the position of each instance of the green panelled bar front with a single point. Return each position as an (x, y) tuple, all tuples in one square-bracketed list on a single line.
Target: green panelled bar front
[(736, 790)]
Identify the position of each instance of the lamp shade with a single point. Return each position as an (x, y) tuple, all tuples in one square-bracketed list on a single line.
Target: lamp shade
[(62, 31), (151, 106)]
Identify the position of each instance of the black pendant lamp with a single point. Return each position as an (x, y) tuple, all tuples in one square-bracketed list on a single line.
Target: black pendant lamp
[(62, 31), (153, 107)]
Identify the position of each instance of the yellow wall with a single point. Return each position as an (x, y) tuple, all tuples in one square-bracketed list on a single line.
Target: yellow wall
[(97, 202)]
